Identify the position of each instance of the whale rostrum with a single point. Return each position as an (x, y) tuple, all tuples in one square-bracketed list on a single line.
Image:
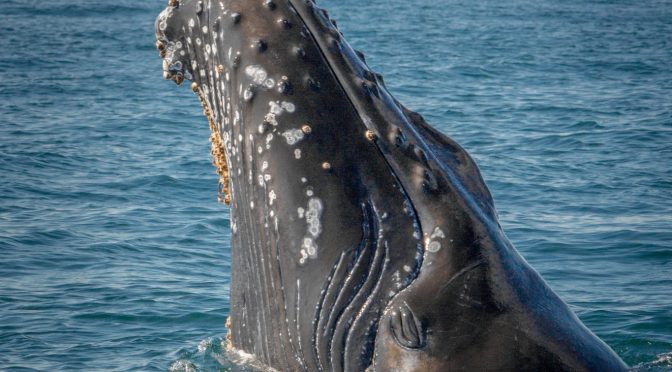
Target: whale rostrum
[(362, 238)]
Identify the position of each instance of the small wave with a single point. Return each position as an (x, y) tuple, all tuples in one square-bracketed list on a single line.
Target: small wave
[(182, 366), (244, 359), (212, 354), (663, 362)]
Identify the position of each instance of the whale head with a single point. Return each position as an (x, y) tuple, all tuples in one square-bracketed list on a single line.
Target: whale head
[(362, 238)]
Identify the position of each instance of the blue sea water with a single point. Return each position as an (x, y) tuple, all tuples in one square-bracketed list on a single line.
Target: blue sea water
[(115, 256)]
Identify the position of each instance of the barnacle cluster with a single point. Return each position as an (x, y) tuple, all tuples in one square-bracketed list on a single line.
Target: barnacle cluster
[(217, 150)]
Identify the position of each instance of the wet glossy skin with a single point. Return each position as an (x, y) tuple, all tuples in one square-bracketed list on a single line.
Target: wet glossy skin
[(362, 238)]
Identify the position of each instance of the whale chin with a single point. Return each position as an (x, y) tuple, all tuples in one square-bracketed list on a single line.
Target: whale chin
[(362, 238)]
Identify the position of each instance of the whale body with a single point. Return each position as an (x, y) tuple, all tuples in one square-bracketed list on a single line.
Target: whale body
[(362, 238)]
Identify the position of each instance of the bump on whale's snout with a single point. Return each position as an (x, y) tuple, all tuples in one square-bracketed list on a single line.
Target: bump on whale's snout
[(171, 41)]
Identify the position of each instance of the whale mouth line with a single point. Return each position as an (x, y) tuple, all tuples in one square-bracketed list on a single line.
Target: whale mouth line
[(178, 71)]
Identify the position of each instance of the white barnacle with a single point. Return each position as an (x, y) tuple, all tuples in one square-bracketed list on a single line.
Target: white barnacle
[(257, 74), (437, 233), (272, 197), (309, 247), (288, 106), (264, 165), (297, 153), (269, 138), (270, 118), (275, 108), (313, 215), (247, 95), (293, 136), (433, 246)]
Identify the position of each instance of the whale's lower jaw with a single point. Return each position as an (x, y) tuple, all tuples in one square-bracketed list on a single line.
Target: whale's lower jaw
[(362, 238)]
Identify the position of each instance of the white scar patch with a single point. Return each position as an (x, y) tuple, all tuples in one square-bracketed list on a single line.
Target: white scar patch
[(257, 74), (276, 109), (433, 244), (293, 136), (313, 214)]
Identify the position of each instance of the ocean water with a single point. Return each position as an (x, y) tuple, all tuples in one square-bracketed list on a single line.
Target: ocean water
[(115, 256)]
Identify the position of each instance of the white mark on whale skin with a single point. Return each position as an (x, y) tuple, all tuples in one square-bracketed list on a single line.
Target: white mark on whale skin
[(257, 74), (248, 94), (293, 136), (288, 106), (276, 109), (433, 245), (269, 138), (313, 214), (297, 153), (309, 247), (437, 233)]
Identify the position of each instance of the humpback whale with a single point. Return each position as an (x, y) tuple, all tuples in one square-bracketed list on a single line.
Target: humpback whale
[(362, 238)]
